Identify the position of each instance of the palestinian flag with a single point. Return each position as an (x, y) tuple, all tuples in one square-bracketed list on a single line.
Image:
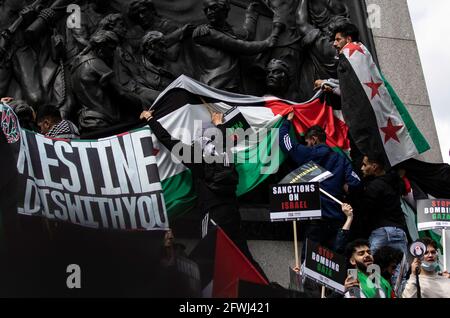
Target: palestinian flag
[(183, 110), (377, 118), (222, 265)]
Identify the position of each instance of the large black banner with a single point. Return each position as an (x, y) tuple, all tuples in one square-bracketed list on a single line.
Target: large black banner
[(111, 183)]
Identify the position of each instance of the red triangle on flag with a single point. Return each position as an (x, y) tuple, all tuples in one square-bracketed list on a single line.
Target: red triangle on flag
[(231, 266), (314, 113)]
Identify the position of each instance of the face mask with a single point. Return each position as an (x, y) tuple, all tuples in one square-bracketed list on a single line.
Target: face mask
[(430, 267)]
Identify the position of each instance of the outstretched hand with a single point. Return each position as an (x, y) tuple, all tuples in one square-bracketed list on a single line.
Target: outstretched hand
[(291, 116), (322, 85), (318, 83), (416, 266), (278, 28), (350, 282), (6, 100), (272, 41), (347, 209), (146, 115), (216, 118), (188, 29)]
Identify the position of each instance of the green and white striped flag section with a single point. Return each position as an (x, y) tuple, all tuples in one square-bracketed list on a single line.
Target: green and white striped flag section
[(183, 110), (377, 118)]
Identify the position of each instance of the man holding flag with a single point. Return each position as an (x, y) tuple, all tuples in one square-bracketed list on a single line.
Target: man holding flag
[(378, 120), (214, 175), (325, 230)]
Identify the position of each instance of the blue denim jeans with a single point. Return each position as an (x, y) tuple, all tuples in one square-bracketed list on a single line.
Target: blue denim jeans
[(388, 236), (395, 238)]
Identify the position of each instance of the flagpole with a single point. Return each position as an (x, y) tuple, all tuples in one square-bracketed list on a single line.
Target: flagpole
[(444, 247), (297, 263), (207, 105), (331, 197)]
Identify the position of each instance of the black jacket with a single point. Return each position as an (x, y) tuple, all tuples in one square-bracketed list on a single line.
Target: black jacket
[(382, 202), (215, 183)]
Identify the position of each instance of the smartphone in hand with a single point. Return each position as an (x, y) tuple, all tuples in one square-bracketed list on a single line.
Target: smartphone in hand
[(353, 273), (354, 291)]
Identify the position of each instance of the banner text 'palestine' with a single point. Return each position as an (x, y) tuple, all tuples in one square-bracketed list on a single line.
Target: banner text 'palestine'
[(111, 183)]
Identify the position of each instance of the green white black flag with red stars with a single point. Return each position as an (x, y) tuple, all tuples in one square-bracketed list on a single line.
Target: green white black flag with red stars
[(376, 117)]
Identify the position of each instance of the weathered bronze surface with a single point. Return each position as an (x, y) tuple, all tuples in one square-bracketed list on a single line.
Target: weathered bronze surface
[(227, 44)]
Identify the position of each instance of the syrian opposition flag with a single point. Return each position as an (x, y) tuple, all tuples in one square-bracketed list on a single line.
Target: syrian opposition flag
[(377, 118), (182, 109), (222, 265)]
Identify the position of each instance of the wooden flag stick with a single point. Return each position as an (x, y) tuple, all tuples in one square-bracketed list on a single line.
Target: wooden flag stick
[(444, 247), (208, 106), (331, 197), (297, 262)]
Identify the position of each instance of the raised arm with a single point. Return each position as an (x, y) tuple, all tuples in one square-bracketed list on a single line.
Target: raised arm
[(168, 141), (178, 35), (251, 20), (124, 96), (286, 142), (160, 132), (207, 36), (352, 180), (298, 152), (303, 18), (410, 290), (343, 234)]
